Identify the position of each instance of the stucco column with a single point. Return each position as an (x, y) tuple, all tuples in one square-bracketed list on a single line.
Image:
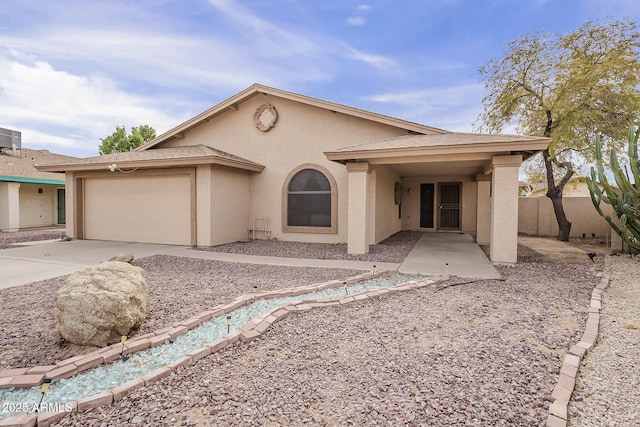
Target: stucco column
[(504, 209), (71, 204), (204, 229), (358, 208), (483, 218), (9, 206)]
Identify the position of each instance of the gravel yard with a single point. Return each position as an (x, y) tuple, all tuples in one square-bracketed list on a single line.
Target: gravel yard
[(7, 240), (484, 353), (607, 389), (393, 249)]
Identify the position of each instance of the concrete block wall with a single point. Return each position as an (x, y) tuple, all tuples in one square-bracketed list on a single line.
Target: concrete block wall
[(536, 217)]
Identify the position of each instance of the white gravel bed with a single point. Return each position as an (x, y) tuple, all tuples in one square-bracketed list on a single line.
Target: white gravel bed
[(608, 385), (485, 353)]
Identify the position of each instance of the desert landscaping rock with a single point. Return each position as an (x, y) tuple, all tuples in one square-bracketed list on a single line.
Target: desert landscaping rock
[(12, 239), (417, 357), (98, 305), (607, 391), (483, 353), (27, 321), (393, 249), (123, 258)]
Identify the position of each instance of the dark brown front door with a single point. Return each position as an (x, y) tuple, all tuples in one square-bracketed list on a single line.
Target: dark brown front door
[(426, 205), (449, 199)]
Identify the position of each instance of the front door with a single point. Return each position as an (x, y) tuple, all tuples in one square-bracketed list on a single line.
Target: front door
[(449, 197), (62, 216), (426, 205)]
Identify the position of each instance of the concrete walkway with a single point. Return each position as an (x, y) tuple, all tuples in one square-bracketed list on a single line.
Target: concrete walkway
[(43, 260), (452, 253)]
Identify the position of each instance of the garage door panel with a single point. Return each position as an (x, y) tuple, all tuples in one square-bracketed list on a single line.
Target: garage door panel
[(153, 209)]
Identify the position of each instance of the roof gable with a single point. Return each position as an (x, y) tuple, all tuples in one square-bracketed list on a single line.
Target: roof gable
[(257, 89)]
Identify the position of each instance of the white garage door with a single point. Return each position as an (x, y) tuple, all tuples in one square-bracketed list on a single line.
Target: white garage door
[(152, 209)]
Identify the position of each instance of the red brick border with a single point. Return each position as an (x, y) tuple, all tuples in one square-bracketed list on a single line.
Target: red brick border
[(561, 394)]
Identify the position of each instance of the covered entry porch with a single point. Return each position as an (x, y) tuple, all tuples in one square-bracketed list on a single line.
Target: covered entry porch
[(446, 182)]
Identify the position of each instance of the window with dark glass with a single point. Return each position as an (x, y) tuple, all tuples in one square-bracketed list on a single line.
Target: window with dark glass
[(309, 199)]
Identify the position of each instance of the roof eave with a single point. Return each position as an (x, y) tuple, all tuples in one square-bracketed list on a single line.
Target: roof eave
[(527, 148), (148, 164), (29, 180)]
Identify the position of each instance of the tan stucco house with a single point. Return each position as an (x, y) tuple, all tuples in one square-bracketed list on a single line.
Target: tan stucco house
[(29, 197), (282, 165)]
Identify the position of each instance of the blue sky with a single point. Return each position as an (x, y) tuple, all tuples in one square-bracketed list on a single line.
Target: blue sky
[(72, 70)]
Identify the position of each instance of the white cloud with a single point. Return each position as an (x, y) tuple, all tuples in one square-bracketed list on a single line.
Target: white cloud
[(69, 78), (378, 61), (297, 43), (454, 108), (356, 21), (37, 99)]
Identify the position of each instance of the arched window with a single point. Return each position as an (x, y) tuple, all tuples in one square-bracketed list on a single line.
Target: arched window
[(309, 201)]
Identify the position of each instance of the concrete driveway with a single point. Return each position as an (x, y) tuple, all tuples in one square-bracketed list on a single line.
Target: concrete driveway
[(47, 259)]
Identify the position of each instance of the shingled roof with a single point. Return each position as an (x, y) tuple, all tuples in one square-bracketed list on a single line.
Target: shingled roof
[(447, 143), (19, 166), (156, 157)]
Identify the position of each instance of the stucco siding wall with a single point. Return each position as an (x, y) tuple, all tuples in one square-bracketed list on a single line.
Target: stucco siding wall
[(387, 221), (536, 217), (36, 209), (411, 202), (230, 205), (468, 206), (302, 134)]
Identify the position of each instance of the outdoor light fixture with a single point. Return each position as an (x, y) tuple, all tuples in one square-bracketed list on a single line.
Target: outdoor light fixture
[(112, 167), (123, 340), (45, 386)]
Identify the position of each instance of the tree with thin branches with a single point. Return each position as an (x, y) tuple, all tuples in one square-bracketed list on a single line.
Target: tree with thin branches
[(569, 88)]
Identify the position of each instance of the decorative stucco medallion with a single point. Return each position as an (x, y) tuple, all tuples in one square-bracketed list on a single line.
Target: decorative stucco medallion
[(265, 117)]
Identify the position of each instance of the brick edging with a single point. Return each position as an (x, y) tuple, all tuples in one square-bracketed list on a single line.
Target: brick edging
[(31, 377), (561, 394)]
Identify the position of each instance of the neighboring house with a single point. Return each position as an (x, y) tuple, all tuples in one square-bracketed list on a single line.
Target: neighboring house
[(300, 169), (29, 197)]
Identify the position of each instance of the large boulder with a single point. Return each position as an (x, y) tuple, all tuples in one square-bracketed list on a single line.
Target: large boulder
[(98, 305), (123, 258)]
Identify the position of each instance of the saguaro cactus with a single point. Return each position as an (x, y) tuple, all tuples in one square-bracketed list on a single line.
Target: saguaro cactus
[(625, 199)]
